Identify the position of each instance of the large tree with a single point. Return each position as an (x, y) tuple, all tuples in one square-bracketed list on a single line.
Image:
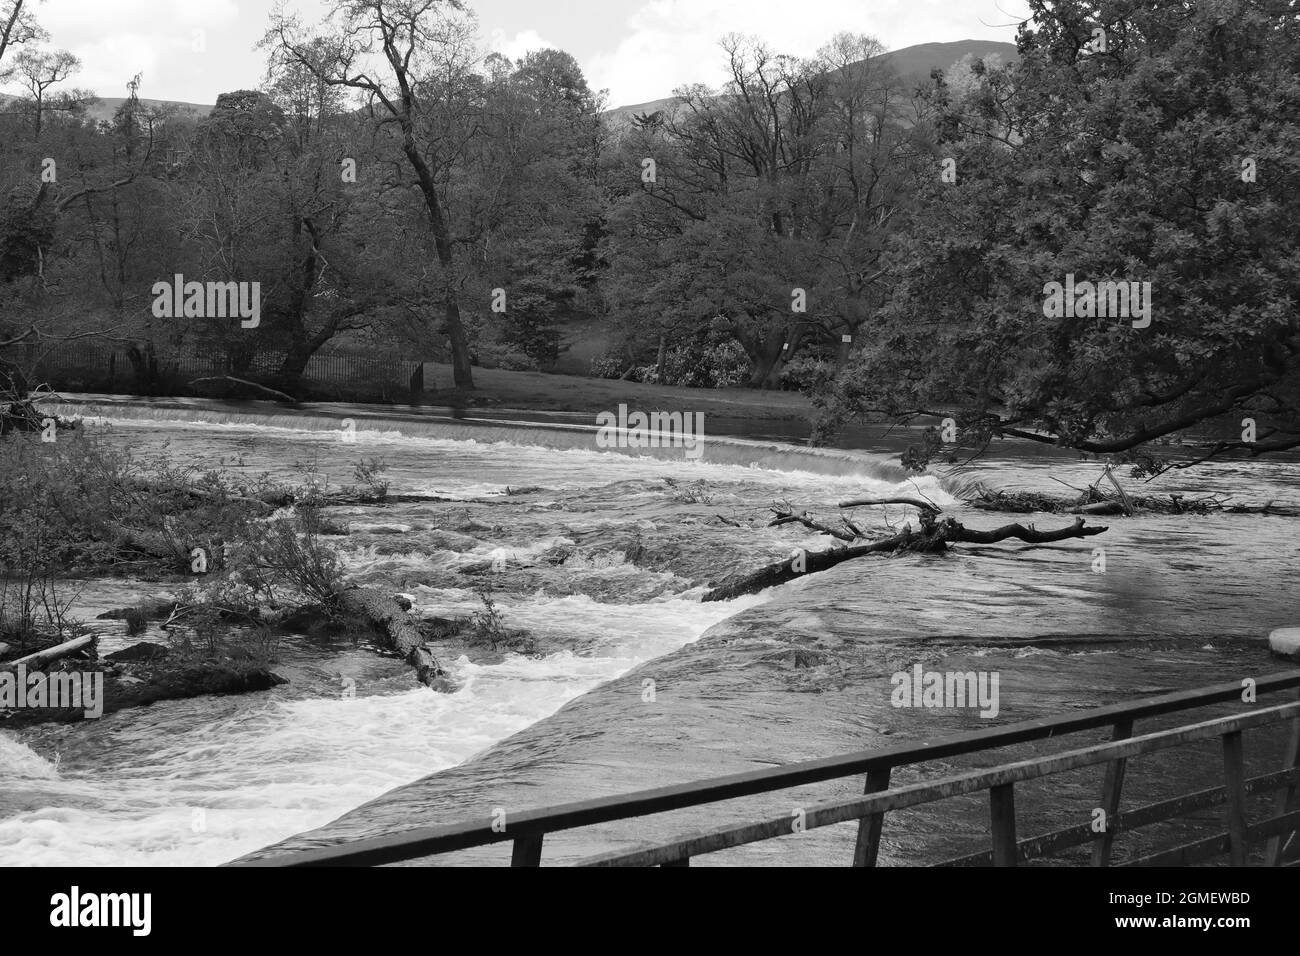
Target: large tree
[(768, 204), (1135, 142), (408, 59)]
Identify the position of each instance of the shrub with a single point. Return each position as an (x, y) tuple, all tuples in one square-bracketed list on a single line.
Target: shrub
[(606, 366)]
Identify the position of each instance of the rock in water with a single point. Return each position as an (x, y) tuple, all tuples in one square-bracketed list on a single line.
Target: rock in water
[(1285, 642)]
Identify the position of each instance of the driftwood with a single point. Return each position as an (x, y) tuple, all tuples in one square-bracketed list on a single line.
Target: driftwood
[(1173, 504), (1101, 508), (1092, 501), (239, 381), (24, 416), (914, 502), (397, 632), (1123, 495), (155, 544), (789, 517), (934, 536), (51, 654)]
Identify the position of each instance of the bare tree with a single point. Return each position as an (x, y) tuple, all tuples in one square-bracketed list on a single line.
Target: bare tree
[(39, 71), (401, 55), (17, 26)]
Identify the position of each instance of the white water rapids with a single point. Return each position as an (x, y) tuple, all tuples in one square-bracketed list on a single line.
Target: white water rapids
[(202, 781)]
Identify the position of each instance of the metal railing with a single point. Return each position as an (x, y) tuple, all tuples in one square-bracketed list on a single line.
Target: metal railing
[(527, 830), (102, 365)]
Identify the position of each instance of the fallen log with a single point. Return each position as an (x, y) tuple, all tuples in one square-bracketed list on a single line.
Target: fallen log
[(933, 537), (281, 396), (51, 654), (914, 502), (788, 517), (1099, 508), (397, 632)]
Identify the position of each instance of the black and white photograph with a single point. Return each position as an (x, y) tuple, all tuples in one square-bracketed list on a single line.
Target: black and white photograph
[(650, 433)]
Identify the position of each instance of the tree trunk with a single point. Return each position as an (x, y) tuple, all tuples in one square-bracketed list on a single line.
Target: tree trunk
[(461, 370), (144, 364), (52, 654), (763, 367), (462, 375), (295, 363), (933, 537), (396, 631)]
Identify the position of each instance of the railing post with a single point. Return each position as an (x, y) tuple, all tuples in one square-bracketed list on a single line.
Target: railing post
[(1110, 791), (867, 848), (1002, 811), (1286, 800), (1234, 775), (528, 850)]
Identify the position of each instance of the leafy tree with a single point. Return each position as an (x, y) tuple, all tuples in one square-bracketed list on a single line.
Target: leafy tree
[(1167, 155), (768, 203), (407, 59)]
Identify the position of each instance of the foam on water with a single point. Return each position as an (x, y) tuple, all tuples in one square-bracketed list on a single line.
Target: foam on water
[(261, 767), (775, 456), (131, 791)]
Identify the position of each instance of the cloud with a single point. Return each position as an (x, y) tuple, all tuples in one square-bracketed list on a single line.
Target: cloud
[(520, 43), (669, 43), (175, 42)]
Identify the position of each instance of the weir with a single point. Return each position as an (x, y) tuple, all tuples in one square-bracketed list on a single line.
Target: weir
[(466, 425), (1270, 838)]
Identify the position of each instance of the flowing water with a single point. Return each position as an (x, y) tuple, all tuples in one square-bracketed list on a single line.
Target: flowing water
[(603, 556)]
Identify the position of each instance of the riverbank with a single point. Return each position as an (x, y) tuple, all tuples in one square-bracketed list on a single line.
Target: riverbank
[(538, 391)]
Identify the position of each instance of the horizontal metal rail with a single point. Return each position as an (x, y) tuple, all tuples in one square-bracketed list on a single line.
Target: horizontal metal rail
[(1006, 775), (528, 828), (1131, 820)]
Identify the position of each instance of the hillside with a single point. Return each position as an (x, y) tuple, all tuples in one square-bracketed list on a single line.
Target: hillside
[(103, 108), (913, 65)]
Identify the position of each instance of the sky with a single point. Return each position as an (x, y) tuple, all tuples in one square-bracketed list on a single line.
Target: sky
[(640, 50)]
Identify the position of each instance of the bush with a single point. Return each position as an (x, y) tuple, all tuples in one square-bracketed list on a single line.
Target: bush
[(806, 373), (508, 357), (607, 366), (720, 363), (487, 627), (288, 551)]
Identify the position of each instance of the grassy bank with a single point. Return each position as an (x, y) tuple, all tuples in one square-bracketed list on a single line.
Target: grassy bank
[(538, 391)]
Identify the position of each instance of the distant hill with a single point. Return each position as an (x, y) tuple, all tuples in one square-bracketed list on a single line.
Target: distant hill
[(104, 107), (913, 64)]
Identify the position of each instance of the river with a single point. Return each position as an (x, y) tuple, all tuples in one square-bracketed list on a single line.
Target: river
[(606, 554)]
